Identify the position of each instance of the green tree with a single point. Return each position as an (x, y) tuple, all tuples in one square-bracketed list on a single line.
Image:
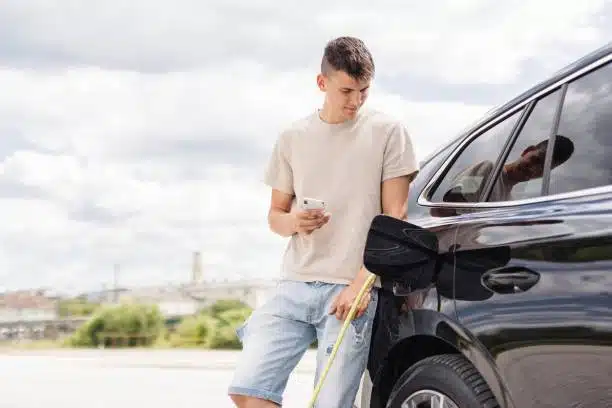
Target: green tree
[(220, 306), (234, 317), (224, 337), (194, 331), (132, 324)]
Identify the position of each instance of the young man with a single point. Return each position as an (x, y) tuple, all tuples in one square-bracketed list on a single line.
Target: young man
[(360, 163)]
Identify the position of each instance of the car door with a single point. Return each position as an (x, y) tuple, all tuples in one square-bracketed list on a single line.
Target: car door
[(540, 302)]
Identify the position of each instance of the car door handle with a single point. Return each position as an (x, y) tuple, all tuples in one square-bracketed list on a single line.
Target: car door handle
[(510, 279)]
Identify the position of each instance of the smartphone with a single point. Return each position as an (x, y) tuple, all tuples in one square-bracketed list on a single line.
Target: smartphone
[(312, 204)]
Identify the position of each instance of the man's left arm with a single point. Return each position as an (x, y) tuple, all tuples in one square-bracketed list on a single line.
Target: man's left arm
[(394, 195), (399, 168)]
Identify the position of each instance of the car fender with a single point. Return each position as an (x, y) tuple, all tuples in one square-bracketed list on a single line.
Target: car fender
[(423, 333)]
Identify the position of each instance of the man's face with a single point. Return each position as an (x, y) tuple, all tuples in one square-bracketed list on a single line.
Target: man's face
[(344, 95), (530, 165)]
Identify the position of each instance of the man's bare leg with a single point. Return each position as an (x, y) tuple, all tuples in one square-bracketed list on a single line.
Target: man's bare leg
[(242, 401)]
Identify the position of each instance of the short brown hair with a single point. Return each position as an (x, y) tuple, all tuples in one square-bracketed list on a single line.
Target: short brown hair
[(348, 54), (562, 151)]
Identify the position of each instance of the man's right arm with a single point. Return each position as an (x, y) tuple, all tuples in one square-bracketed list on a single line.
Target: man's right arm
[(280, 219)]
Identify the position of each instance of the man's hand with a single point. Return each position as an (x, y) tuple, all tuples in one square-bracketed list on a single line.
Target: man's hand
[(343, 302), (307, 221), (285, 223)]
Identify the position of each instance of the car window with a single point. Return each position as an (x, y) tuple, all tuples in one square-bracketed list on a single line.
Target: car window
[(469, 173), (521, 175), (586, 122), (415, 211)]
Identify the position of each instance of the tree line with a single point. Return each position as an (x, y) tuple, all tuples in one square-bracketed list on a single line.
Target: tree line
[(140, 325)]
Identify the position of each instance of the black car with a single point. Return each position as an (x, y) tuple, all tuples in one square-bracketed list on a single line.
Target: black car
[(516, 309)]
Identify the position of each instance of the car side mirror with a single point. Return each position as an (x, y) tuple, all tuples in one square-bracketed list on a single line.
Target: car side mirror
[(401, 253)]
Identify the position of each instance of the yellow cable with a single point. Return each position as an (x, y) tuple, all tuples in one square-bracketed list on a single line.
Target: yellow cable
[(366, 286)]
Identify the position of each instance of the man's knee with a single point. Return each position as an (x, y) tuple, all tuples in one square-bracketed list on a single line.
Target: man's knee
[(243, 401), (240, 401)]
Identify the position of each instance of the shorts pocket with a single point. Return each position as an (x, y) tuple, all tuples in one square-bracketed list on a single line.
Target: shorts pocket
[(241, 330), (362, 325)]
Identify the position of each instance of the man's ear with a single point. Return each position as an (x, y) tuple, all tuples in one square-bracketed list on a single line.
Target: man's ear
[(322, 82)]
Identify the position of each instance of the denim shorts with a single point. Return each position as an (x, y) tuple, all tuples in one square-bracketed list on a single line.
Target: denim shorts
[(276, 336)]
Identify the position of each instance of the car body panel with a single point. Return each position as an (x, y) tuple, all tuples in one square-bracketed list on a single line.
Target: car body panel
[(552, 337)]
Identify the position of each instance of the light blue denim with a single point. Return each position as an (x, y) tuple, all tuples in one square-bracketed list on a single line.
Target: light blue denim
[(276, 336)]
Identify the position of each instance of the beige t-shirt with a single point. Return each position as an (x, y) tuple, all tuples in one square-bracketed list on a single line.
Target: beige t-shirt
[(344, 165)]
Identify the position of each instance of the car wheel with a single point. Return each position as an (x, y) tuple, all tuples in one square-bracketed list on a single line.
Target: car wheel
[(443, 381)]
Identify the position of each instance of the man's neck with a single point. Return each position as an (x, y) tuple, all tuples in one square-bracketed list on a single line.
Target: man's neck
[(328, 116)]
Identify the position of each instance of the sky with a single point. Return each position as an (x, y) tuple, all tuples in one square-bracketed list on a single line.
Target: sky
[(135, 133)]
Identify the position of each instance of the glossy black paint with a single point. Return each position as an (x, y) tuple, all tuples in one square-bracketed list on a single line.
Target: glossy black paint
[(525, 293), (551, 341)]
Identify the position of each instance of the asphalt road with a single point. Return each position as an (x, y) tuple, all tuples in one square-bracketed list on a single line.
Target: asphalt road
[(129, 379)]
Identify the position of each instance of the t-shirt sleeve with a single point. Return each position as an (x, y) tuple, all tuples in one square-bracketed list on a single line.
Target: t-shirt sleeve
[(399, 158), (278, 173)]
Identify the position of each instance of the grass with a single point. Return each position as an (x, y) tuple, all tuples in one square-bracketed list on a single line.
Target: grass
[(31, 345)]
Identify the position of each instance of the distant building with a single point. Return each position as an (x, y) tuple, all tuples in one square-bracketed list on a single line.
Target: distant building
[(196, 273), (103, 296), (170, 300), (25, 314), (27, 306), (186, 299), (253, 293)]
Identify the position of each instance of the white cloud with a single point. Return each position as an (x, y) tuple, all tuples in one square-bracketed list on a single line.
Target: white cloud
[(477, 41), (449, 40), (158, 217), (94, 112), (140, 131)]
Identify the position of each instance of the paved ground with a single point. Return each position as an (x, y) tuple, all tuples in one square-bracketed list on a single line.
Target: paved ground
[(128, 379)]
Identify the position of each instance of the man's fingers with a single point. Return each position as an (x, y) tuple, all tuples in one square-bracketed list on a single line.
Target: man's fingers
[(334, 306), (365, 301), (341, 306), (312, 224), (309, 223), (311, 220), (310, 214), (307, 230), (363, 305), (340, 312), (309, 226), (360, 311)]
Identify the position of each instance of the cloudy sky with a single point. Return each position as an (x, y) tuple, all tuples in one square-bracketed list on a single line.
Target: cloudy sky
[(136, 132)]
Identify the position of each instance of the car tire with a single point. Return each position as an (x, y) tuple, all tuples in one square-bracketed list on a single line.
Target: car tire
[(449, 375)]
